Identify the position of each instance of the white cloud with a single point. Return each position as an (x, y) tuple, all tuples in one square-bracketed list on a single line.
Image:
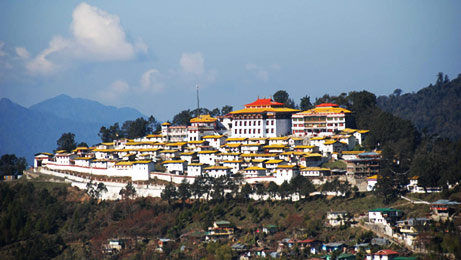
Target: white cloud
[(115, 91), (22, 52), (99, 35), (2, 52), (261, 72), (192, 63), (41, 64), (96, 36), (151, 80)]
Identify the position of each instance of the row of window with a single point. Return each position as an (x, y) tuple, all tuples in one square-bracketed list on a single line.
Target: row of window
[(255, 123), (239, 131)]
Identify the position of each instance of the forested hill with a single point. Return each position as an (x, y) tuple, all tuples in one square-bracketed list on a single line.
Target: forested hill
[(435, 109)]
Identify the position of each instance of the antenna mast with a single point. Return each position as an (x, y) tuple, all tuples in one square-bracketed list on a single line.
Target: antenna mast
[(198, 102)]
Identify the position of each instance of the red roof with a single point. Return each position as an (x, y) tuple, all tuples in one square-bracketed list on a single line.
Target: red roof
[(327, 105), (264, 102), (386, 252)]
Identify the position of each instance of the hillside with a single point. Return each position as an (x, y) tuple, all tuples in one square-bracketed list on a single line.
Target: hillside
[(26, 131), (433, 110), (84, 110)]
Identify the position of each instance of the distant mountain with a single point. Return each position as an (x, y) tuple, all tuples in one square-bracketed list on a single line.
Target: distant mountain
[(435, 109), (85, 110), (26, 131)]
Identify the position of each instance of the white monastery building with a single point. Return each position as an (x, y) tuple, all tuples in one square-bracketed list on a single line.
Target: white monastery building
[(262, 118), (323, 120)]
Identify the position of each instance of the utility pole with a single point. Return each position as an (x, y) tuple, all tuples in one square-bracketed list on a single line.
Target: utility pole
[(198, 103)]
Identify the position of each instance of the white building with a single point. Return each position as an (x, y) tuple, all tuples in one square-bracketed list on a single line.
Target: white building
[(254, 171), (217, 171), (285, 173), (262, 118), (338, 218), (195, 169), (325, 119), (175, 166)]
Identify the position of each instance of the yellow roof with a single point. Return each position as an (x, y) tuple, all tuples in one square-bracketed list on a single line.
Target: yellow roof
[(61, 151), (257, 155), (152, 136), (313, 155), (375, 177), (286, 166), (196, 142), (279, 138), (232, 145), (236, 139), (352, 152), (331, 142), (274, 161), (314, 169), (318, 138), (256, 144), (304, 146), (169, 151), (173, 161), (259, 160), (363, 131), (166, 123), (109, 143), (212, 136), (297, 138), (196, 164), (83, 158), (274, 146), (176, 144), (326, 110), (265, 110), (254, 168), (132, 162), (203, 119), (217, 168), (188, 153)]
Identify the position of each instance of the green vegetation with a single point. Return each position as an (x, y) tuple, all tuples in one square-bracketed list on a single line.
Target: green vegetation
[(12, 165), (434, 110)]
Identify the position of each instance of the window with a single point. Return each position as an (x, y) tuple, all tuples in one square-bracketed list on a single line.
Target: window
[(272, 130)]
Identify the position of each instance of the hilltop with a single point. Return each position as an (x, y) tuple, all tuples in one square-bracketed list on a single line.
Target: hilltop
[(26, 131), (434, 110)]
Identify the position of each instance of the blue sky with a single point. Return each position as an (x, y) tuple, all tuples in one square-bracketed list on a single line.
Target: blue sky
[(150, 54)]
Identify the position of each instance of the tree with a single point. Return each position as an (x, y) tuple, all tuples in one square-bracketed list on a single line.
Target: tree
[(283, 97), (184, 191), (272, 189), (128, 192), (101, 188), (82, 144), (169, 193), (183, 118), (260, 191), (139, 127), (386, 187), (110, 134), (284, 190), (198, 187), (67, 142), (226, 110), (305, 103), (246, 192), (11, 165)]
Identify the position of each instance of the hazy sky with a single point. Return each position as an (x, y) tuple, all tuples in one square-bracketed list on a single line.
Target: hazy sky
[(150, 54)]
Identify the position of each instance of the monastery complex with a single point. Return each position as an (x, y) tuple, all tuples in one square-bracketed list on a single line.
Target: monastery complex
[(265, 141)]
